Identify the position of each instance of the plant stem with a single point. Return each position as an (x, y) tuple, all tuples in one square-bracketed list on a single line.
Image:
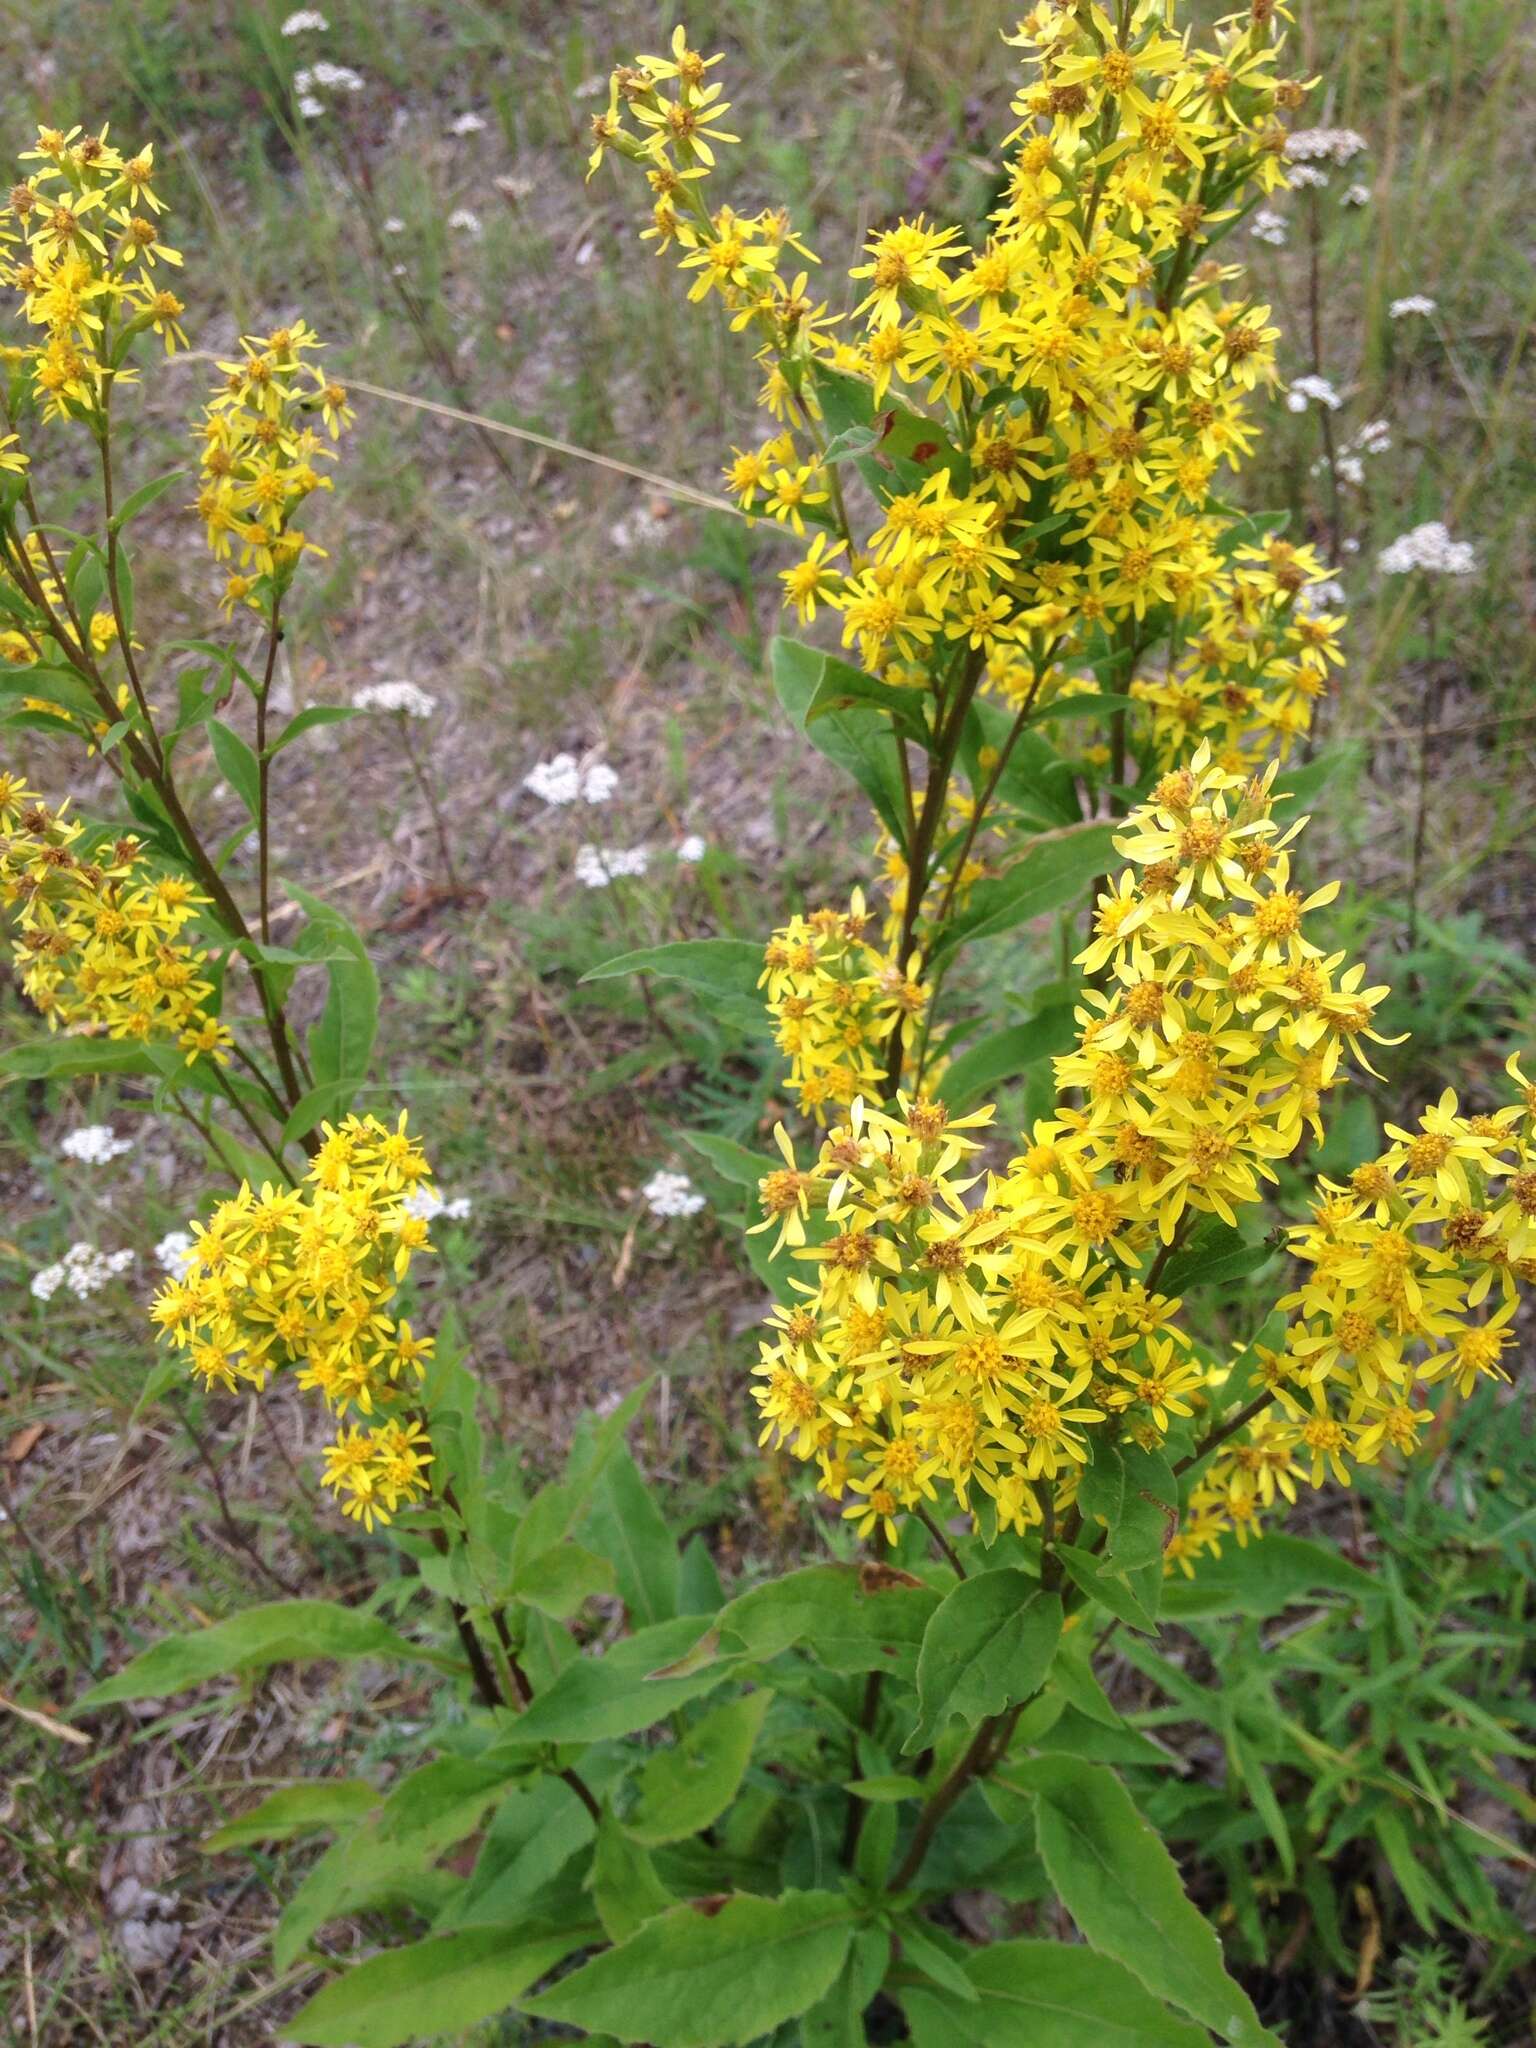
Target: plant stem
[(951, 1555), (1218, 1436), (424, 784), (264, 777)]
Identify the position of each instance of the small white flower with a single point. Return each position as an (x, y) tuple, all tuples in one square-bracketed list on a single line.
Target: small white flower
[(1324, 145), (94, 1145), (1358, 195), (671, 1194), (692, 850), (464, 222), (328, 77), (596, 866), (1351, 469), (303, 20), (1430, 548), (175, 1252), (1307, 177), (1269, 226), (404, 697), (83, 1270), (565, 780), (1416, 302), (427, 1203), (1374, 438), (310, 107), (514, 189), (1314, 391), (591, 88), (467, 124), (1313, 598), (394, 225)]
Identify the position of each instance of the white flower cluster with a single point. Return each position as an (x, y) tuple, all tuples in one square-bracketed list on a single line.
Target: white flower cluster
[(1304, 177), (1374, 438), (83, 1270), (402, 697), (427, 1203), (1313, 598), (466, 222), (175, 1253), (315, 79), (1309, 390), (671, 1194), (1358, 195), (303, 20), (1324, 145), (467, 124), (565, 780), (691, 850), (94, 1145), (1430, 548), (1269, 226), (1416, 302), (596, 866)]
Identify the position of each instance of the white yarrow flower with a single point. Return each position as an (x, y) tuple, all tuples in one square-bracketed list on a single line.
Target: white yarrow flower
[(1358, 195), (465, 222), (596, 866), (1428, 548), (1306, 177), (692, 850), (83, 1270), (565, 780), (310, 107), (394, 225), (671, 1194), (402, 697), (426, 1203), (94, 1145), (1324, 145), (303, 21), (175, 1252), (1416, 302), (1309, 390), (1269, 226), (467, 124), (327, 77)]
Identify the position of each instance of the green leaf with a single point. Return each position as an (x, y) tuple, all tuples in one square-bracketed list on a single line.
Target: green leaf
[(733, 1162), (433, 1987), (238, 764), (886, 1790), (296, 1810), (623, 1882), (57, 686), (707, 1979), (850, 1620), (836, 2020), (562, 1577), (425, 1814), (1006, 1055), (1123, 1889), (341, 1043), (1216, 1253), (306, 720), (1045, 1994), (842, 687), (723, 971), (857, 740), (595, 1698), (1055, 871), (140, 500), (1108, 1586), (1263, 1577), (61, 1059), (988, 1646), (626, 1526), (686, 1788), (534, 1833), (1135, 1495), (895, 448), (282, 1632)]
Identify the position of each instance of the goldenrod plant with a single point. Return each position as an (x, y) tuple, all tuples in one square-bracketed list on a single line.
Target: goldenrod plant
[(734, 1814)]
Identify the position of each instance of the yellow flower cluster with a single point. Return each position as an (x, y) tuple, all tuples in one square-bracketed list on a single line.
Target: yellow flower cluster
[(305, 1278), (259, 455), (835, 1000), (27, 568), (1071, 391), (988, 1345), (1398, 1260), (85, 255), (99, 945)]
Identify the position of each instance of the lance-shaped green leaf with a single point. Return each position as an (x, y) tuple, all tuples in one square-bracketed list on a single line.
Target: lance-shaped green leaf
[(709, 1976), (858, 739), (988, 1646), (685, 1788), (1123, 1889), (850, 1619), (1007, 1055), (1135, 1495), (1057, 870), (297, 1810), (1045, 1994)]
